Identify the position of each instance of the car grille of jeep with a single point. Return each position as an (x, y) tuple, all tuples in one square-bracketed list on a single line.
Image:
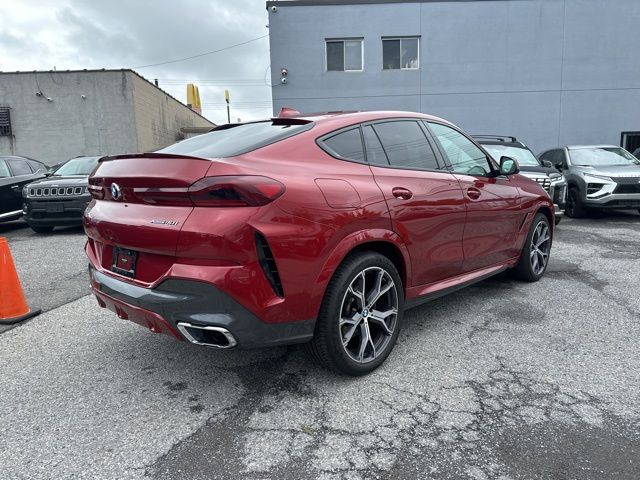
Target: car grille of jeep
[(56, 191)]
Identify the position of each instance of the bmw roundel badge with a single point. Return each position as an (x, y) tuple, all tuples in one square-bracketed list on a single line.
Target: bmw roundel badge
[(115, 191)]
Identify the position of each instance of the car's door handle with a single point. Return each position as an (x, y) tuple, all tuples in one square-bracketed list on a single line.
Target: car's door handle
[(15, 188), (473, 193), (402, 193)]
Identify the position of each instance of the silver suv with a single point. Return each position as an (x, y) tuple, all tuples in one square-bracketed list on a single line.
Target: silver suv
[(599, 176)]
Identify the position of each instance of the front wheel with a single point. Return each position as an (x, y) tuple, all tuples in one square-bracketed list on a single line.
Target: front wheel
[(534, 258), (574, 208), (360, 316)]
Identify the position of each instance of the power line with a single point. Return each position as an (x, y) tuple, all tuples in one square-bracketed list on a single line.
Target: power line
[(200, 54)]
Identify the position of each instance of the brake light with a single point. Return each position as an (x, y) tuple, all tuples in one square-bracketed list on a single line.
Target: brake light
[(235, 191), (96, 192)]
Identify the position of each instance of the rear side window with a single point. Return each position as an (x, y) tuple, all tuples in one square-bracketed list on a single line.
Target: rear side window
[(4, 170), (406, 145), (19, 167), (37, 167), (231, 140), (375, 152), (347, 145)]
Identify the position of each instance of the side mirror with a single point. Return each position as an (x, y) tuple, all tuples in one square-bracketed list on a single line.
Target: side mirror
[(547, 163), (508, 166)]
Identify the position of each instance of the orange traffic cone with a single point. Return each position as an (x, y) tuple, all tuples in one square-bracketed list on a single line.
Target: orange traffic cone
[(13, 305)]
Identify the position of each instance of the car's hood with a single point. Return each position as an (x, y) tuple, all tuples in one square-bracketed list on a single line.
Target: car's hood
[(61, 181), (612, 171), (532, 169)]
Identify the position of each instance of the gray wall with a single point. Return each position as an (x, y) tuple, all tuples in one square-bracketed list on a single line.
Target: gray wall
[(101, 123), (551, 72), (120, 113)]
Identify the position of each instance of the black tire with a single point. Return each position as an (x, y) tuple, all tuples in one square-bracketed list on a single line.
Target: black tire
[(327, 344), (558, 220), (41, 229), (574, 208), (525, 269)]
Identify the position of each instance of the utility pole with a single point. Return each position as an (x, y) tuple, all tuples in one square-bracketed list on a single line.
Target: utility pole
[(226, 99)]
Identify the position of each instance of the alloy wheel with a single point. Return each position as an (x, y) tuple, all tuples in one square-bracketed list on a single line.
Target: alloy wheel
[(368, 314), (540, 246)]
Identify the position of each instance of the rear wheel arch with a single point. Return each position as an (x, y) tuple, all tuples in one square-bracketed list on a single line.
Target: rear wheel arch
[(387, 249), (386, 242)]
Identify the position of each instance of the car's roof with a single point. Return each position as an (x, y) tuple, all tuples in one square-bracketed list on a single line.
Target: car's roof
[(578, 147), (345, 118)]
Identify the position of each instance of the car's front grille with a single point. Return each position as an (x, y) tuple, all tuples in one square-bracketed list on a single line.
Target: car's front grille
[(626, 180), (621, 188), (56, 191), (544, 182)]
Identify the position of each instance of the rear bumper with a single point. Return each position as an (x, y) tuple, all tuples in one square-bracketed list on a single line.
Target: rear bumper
[(196, 303)]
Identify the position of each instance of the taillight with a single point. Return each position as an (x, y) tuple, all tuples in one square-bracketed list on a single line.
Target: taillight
[(164, 196), (235, 191), (96, 192)]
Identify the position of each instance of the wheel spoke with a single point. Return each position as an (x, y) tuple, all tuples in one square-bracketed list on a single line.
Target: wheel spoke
[(378, 291), (534, 265), (381, 322), (365, 339), (542, 240)]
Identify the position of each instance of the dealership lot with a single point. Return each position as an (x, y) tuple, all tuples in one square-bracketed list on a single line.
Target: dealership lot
[(501, 380)]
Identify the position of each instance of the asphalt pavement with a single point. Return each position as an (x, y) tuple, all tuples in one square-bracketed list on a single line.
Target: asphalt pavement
[(503, 380)]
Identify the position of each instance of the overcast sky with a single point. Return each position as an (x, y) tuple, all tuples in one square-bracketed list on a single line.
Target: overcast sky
[(76, 34)]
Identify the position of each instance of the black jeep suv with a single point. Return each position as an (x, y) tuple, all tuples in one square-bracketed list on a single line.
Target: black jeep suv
[(60, 199), (541, 172)]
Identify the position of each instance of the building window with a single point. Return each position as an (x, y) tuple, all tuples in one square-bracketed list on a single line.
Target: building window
[(344, 55), (401, 53), (5, 121)]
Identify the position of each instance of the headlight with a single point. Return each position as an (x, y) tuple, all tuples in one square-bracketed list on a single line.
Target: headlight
[(557, 178), (590, 177)]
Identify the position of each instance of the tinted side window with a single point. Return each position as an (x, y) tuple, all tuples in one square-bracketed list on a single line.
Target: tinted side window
[(554, 156), (375, 152), (4, 171), (19, 167), (464, 155), (347, 145), (36, 167), (406, 145)]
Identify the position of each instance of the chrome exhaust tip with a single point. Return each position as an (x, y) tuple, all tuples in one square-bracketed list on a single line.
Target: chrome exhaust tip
[(208, 336)]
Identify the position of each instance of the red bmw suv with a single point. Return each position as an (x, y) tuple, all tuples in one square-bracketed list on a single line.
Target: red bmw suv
[(318, 229)]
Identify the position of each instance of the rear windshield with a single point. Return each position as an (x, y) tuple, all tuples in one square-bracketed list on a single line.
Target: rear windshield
[(231, 140)]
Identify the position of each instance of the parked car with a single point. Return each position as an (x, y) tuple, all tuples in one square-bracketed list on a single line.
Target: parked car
[(15, 172), (318, 229), (545, 174), (599, 176), (60, 199)]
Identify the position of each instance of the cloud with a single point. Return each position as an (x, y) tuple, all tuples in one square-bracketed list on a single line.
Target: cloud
[(76, 34)]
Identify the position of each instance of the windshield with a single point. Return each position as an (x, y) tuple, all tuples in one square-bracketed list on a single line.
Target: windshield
[(522, 155), (77, 166), (602, 157)]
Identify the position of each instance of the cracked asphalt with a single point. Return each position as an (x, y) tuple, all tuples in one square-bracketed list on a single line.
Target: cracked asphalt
[(503, 380)]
